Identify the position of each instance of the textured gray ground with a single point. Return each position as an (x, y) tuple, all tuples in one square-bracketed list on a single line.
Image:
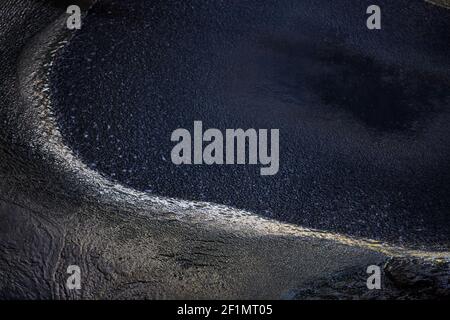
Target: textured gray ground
[(54, 212)]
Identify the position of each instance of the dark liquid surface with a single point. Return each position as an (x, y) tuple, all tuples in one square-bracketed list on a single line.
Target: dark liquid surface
[(364, 137)]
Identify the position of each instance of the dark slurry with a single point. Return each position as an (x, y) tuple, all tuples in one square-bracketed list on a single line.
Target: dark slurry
[(363, 115)]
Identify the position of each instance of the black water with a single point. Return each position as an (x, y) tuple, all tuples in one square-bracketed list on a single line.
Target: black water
[(363, 115)]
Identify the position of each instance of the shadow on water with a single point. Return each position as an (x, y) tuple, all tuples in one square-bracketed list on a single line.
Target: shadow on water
[(382, 96)]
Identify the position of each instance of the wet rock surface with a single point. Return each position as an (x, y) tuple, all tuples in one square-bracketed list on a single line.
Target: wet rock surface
[(402, 278), (427, 278)]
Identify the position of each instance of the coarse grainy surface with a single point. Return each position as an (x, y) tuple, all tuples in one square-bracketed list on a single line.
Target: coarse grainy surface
[(363, 115)]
